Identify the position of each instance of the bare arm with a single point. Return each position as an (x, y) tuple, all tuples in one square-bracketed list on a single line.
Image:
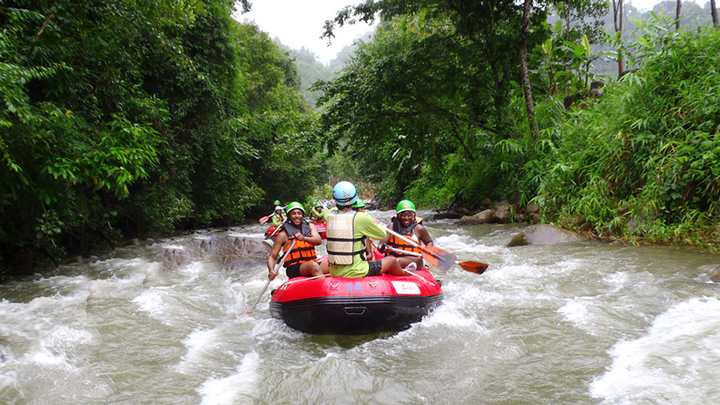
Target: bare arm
[(423, 235), (274, 252), (313, 239)]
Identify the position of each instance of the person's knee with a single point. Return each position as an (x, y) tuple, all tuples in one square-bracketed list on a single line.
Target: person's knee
[(310, 269), (389, 264)]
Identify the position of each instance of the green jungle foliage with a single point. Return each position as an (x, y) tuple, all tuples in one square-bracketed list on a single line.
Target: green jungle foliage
[(124, 117), (433, 110), (644, 161)]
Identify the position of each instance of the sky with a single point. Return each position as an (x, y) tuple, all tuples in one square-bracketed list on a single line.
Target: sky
[(299, 24)]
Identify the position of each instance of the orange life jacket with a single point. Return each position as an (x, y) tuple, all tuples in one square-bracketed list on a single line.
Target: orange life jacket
[(303, 251), (408, 232)]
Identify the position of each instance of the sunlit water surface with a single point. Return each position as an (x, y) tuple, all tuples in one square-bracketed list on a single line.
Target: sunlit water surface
[(574, 323)]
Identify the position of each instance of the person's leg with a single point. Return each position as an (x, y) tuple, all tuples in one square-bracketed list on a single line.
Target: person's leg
[(405, 260), (390, 265), (310, 269), (324, 266)]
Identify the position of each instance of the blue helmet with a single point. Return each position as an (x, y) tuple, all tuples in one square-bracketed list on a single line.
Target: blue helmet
[(344, 194)]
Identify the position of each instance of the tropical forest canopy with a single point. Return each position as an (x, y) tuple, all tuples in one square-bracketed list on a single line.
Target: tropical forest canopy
[(126, 118)]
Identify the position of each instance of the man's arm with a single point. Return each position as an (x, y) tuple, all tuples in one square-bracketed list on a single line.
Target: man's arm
[(274, 252), (313, 239), (423, 235)]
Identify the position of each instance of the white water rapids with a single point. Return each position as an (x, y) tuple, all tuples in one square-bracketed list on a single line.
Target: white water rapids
[(574, 323)]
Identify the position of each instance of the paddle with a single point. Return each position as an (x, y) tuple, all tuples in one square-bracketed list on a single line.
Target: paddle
[(263, 220), (441, 258), (277, 268), (468, 265)]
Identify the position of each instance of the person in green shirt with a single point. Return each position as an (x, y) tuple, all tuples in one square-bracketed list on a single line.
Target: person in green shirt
[(278, 218), (347, 232)]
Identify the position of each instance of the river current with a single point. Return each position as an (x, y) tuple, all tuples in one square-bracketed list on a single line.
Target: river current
[(167, 321)]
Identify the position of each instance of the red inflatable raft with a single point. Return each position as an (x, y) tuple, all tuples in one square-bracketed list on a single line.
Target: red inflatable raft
[(336, 305)]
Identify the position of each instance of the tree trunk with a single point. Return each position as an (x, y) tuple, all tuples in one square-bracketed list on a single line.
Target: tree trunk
[(524, 71), (713, 12), (678, 7), (618, 23)]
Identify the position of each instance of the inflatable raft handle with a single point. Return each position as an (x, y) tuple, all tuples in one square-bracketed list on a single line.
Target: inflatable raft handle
[(355, 311)]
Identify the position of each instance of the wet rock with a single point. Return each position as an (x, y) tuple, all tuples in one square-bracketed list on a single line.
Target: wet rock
[(204, 243), (532, 209), (502, 212), (173, 256), (446, 215), (235, 248), (546, 235), (715, 275), (482, 217), (518, 240)]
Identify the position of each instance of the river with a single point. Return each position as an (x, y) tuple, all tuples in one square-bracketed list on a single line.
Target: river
[(585, 322)]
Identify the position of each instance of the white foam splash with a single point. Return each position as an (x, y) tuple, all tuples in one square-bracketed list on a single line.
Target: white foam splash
[(246, 235), (676, 360), (151, 301), (616, 281), (450, 315), (464, 243), (198, 343), (576, 311), (227, 390)]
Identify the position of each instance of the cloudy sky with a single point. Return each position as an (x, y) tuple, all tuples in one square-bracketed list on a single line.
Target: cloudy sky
[(299, 23)]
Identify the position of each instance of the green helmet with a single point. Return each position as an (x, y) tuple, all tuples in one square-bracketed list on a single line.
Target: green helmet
[(359, 203), (404, 205), (277, 202), (294, 205)]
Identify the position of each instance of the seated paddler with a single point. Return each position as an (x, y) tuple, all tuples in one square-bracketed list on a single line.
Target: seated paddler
[(408, 224), (300, 256), (347, 231)]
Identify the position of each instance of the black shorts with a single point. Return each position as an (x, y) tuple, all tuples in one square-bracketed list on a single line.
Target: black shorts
[(293, 270), (374, 268)]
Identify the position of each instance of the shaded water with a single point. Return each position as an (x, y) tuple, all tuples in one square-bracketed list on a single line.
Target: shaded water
[(575, 323)]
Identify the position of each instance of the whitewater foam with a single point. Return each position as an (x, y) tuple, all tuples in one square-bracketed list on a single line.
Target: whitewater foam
[(228, 390), (576, 312), (675, 360), (198, 343), (464, 243)]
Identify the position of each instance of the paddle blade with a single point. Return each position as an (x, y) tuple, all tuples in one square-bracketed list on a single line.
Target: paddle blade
[(264, 219), (438, 258), (473, 267)]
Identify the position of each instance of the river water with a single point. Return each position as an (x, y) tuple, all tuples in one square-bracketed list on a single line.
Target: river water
[(575, 323)]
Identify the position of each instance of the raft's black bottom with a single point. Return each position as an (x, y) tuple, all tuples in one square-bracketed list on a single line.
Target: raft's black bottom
[(351, 316)]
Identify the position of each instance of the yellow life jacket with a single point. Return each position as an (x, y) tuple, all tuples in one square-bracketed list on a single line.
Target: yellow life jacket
[(341, 241)]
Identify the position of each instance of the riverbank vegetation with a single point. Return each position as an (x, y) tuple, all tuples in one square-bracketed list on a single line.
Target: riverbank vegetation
[(455, 103), (124, 118)]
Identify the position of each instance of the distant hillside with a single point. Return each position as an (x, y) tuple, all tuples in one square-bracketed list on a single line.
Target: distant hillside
[(311, 69), (692, 16)]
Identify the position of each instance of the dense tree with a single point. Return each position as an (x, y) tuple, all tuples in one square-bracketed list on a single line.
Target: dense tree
[(125, 117)]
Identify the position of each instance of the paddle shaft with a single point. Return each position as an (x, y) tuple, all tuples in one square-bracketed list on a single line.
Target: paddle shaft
[(412, 242), (277, 268), (405, 252)]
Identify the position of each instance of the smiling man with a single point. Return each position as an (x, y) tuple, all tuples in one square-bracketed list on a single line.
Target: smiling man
[(301, 258)]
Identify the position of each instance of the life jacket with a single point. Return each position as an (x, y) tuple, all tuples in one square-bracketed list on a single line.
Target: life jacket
[(408, 232), (341, 241), (303, 251)]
